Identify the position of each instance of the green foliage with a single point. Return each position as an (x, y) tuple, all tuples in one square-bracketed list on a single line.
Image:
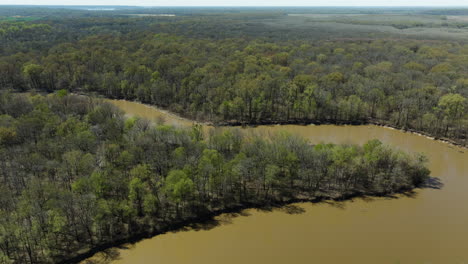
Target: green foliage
[(453, 105), (7, 136), (178, 186), (223, 71), (60, 196), (76, 174)]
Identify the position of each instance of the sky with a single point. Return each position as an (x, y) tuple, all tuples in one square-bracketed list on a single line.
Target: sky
[(242, 2)]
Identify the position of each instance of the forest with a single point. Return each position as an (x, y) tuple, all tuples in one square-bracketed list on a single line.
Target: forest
[(75, 174), (248, 67)]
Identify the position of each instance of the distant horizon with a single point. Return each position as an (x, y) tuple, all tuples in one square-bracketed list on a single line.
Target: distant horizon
[(245, 3), (322, 6)]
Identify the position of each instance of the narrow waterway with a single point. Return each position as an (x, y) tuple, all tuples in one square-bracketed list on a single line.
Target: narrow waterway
[(430, 226)]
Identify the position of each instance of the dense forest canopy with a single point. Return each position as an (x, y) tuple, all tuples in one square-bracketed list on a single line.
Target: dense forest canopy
[(250, 66), (75, 174)]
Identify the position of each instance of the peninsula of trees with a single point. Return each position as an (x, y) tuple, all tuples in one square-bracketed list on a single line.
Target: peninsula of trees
[(76, 175)]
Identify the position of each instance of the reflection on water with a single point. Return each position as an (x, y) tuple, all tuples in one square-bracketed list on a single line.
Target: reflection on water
[(429, 225)]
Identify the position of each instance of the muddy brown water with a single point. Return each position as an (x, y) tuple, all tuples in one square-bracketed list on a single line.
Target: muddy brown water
[(430, 226)]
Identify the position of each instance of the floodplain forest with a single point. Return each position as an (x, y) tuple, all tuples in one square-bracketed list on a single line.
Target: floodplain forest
[(248, 67), (78, 176), (75, 174)]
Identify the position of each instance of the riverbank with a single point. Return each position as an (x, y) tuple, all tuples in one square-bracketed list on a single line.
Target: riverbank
[(303, 122), (341, 123), (209, 219), (413, 228), (336, 175), (408, 221)]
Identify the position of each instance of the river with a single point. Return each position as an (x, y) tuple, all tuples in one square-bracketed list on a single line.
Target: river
[(430, 226)]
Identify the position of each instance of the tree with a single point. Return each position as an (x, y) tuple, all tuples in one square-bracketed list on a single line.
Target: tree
[(210, 168), (7, 136), (178, 187), (32, 72), (453, 106)]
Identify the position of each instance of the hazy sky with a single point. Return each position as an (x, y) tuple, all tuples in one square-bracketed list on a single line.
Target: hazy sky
[(242, 2)]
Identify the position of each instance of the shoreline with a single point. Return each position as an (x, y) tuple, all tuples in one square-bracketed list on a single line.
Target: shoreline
[(296, 122), (373, 122), (162, 110), (211, 215)]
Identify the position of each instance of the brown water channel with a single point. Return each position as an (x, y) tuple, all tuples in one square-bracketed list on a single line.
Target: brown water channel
[(430, 226)]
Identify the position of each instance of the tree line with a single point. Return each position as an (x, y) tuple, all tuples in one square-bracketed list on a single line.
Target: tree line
[(75, 174), (407, 84)]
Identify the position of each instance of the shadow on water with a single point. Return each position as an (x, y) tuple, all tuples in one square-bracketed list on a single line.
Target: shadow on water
[(212, 222), (432, 183), (226, 217), (291, 209), (107, 256), (335, 204)]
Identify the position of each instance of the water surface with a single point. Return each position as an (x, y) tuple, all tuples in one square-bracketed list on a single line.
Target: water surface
[(430, 226)]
